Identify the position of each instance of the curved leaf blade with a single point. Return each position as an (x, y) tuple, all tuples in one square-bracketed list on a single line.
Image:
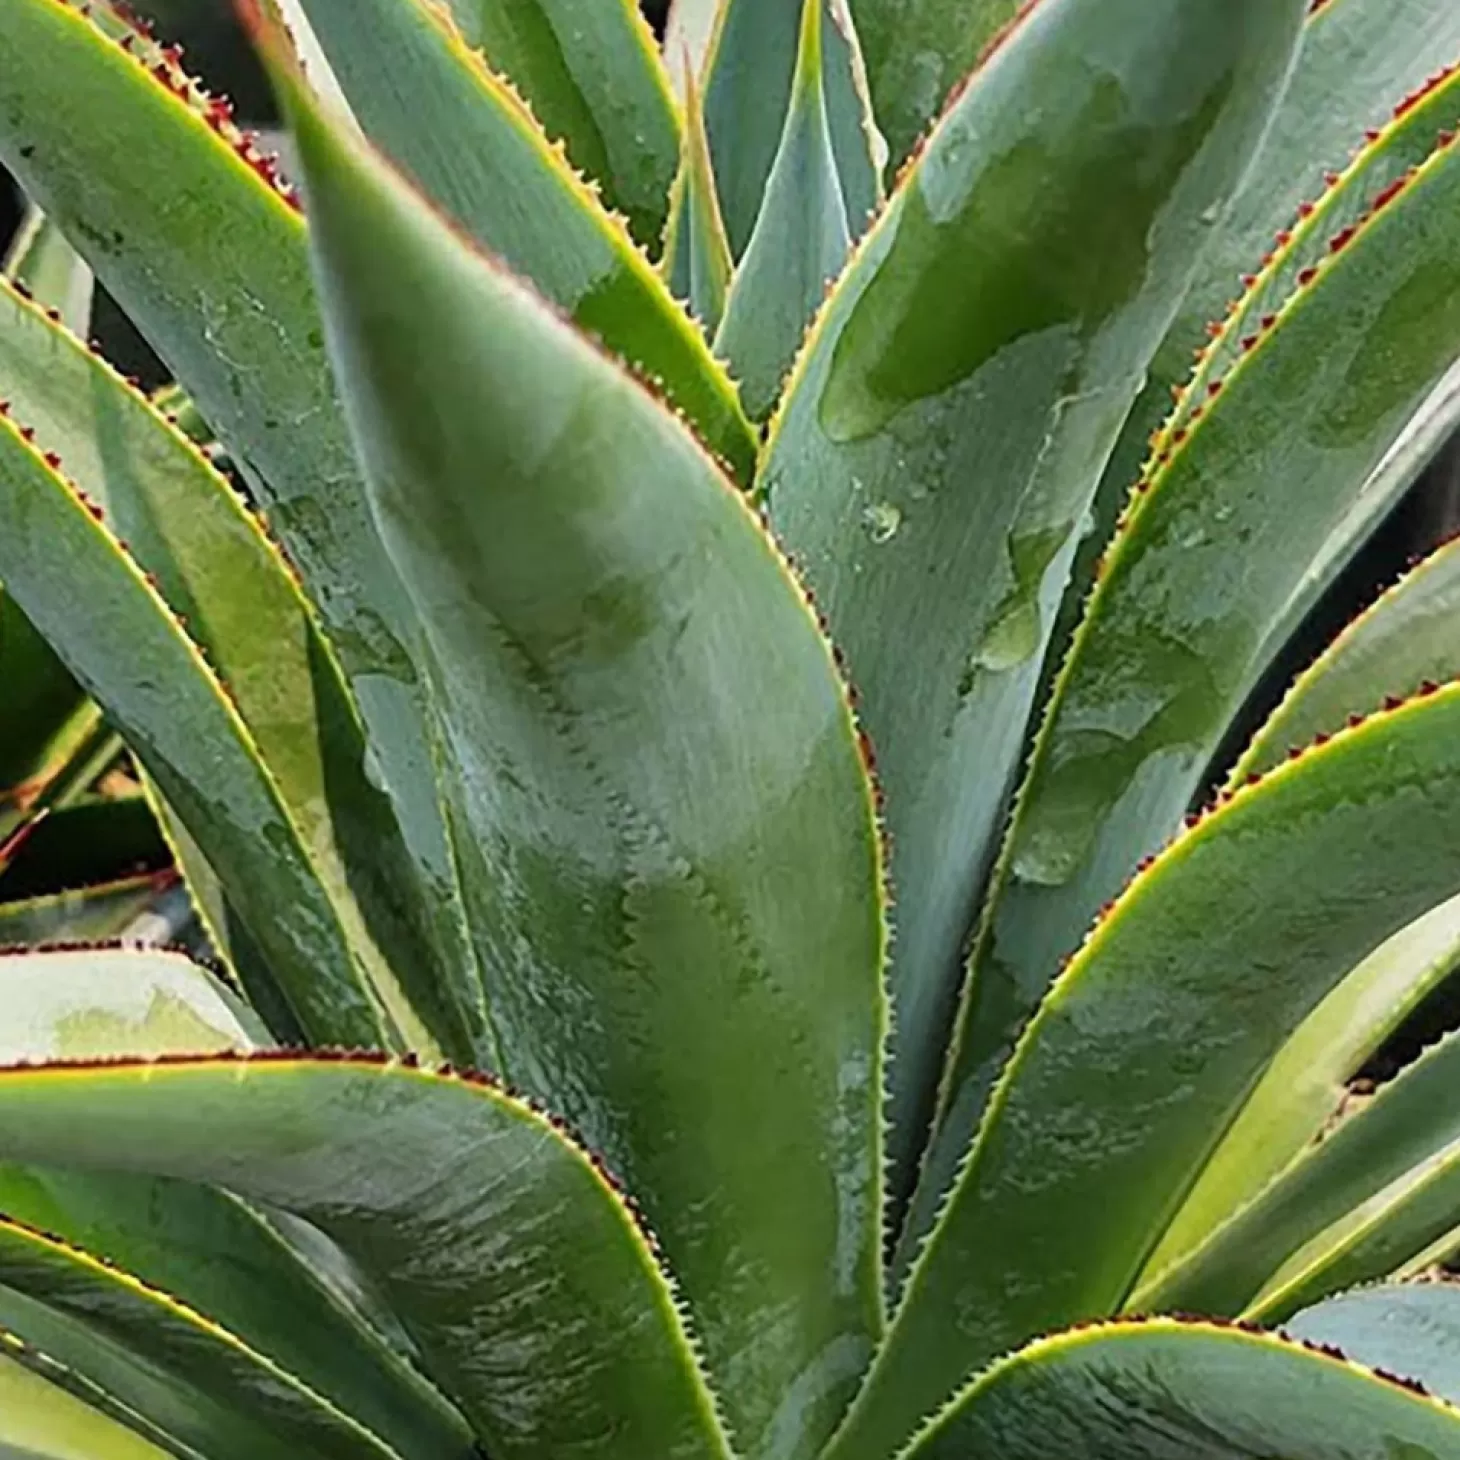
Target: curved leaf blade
[(213, 563), (1405, 638), (1156, 1390), (83, 915), (1359, 60), (748, 83), (1263, 467), (174, 211), (186, 1376), (1411, 1329), (41, 1421), (799, 243), (607, 620), (593, 77), (130, 652), (1305, 1085), (469, 143), (938, 443), (696, 252), (1147, 1047), (445, 1176)]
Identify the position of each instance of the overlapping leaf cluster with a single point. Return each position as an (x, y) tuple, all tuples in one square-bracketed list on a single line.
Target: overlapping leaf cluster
[(679, 646)]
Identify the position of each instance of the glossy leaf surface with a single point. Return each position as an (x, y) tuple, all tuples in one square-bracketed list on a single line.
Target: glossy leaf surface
[(592, 76), (693, 891), (213, 563), (122, 643), (800, 241), (1265, 465), (189, 1378), (696, 252), (1405, 638), (41, 1421), (470, 144), (1359, 60), (1404, 1132), (503, 1248), (1168, 1391), (173, 212), (1305, 1085), (1145, 1050), (1410, 1330), (748, 83), (935, 454)]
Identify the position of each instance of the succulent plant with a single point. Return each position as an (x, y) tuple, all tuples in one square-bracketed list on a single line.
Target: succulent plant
[(467, 608)]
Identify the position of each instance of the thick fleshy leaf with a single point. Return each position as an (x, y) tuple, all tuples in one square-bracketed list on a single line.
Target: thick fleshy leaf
[(1146, 1048), (1253, 492), (592, 75), (696, 252), (533, 1296), (462, 135), (668, 888), (104, 1002), (749, 77), (211, 561), (688, 31), (1166, 1390), (1411, 1330), (1359, 60), (41, 1421), (205, 1248), (800, 241), (43, 263), (174, 212), (1407, 637), (123, 644), (943, 429), (83, 915), (917, 51), (1306, 1085), (1371, 1163), (189, 1378)]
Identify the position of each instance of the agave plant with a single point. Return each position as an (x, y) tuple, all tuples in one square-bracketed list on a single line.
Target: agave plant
[(471, 665)]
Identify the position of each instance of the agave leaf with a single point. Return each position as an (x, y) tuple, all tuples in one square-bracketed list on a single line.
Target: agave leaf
[(124, 645), (190, 1378), (1235, 935), (696, 252), (173, 210), (469, 143), (592, 75), (41, 1421), (203, 1247), (211, 561), (86, 840), (749, 81), (668, 890), (83, 915), (688, 31), (800, 241), (1400, 1140), (103, 1002), (1410, 1330), (41, 261), (937, 447), (445, 1174), (917, 51), (1266, 464), (1359, 59), (1156, 1390), (1305, 1085), (1405, 638)]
